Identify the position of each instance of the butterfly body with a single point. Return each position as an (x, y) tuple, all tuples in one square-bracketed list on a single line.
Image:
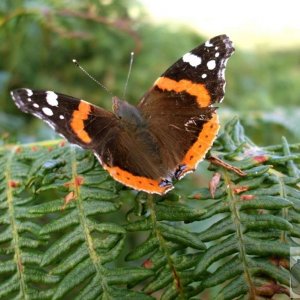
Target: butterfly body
[(164, 137)]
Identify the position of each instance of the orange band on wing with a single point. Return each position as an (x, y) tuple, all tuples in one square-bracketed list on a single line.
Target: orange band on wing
[(77, 122), (195, 89), (137, 182), (204, 142)]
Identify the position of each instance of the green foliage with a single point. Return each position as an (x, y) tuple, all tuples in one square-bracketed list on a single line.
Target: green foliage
[(39, 39), (64, 229)]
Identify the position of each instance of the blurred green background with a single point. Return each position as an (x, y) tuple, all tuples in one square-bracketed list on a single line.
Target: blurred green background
[(39, 39)]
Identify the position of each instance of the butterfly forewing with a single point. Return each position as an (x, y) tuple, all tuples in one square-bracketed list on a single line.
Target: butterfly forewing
[(205, 65), (75, 119)]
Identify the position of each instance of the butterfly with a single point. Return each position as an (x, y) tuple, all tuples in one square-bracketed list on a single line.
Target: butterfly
[(163, 138)]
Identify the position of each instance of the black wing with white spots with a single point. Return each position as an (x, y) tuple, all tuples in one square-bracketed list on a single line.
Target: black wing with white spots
[(71, 117), (205, 64)]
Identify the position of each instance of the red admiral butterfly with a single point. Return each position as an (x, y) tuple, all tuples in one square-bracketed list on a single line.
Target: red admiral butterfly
[(164, 137)]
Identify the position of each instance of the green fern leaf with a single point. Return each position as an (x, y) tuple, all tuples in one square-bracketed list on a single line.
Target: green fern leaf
[(64, 232)]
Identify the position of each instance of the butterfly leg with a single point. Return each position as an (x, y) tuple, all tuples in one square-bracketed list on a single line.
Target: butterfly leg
[(180, 171), (165, 183)]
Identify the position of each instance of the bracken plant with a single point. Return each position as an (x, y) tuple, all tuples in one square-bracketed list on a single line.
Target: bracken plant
[(66, 228)]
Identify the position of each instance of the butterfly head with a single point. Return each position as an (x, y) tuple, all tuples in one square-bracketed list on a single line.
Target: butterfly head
[(126, 112)]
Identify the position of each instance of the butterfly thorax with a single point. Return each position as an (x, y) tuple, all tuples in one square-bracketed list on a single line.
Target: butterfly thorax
[(127, 113)]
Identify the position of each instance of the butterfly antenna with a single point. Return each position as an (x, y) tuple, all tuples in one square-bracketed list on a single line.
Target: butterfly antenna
[(129, 72), (90, 76)]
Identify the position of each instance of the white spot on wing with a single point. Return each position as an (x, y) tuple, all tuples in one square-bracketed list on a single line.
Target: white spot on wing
[(208, 44), (29, 99), (61, 117), (35, 105), (192, 59), (16, 102), (223, 77), (217, 54), (47, 111), (211, 64), (51, 98), (204, 76), (29, 92)]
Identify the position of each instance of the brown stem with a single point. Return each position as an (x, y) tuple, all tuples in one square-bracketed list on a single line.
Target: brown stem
[(219, 162)]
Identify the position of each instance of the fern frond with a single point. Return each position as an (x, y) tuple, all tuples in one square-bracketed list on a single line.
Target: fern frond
[(54, 240), (63, 230), (250, 243), (167, 244)]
